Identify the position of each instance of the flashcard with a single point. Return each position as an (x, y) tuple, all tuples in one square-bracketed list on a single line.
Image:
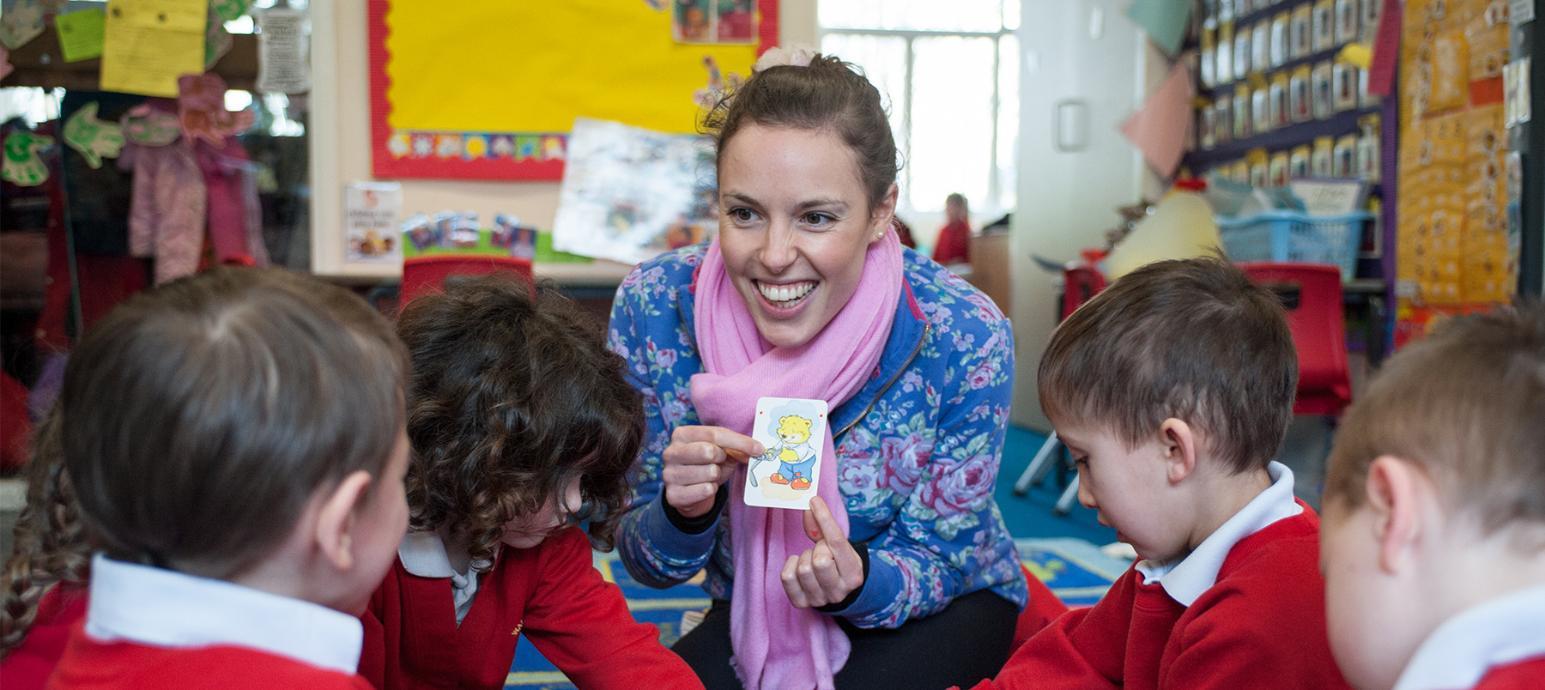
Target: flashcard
[(789, 473)]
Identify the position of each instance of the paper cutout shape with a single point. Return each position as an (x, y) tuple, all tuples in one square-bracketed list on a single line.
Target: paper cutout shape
[(789, 473), (217, 41), (92, 138), (150, 43), (1164, 21), (150, 126), (22, 22), (230, 10), (24, 165), (201, 109), (1160, 127), (1386, 50), (80, 34)]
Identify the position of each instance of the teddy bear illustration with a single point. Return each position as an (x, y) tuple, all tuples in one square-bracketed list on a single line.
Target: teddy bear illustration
[(795, 455)]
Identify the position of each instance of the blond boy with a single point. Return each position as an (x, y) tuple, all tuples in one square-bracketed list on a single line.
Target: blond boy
[(1434, 537)]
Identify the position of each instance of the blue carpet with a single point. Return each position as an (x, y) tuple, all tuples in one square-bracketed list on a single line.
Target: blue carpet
[(1061, 550)]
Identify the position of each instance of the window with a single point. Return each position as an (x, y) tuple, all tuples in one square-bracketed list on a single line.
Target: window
[(948, 72)]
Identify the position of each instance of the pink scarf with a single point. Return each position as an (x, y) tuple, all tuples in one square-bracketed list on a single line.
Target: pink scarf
[(777, 645)]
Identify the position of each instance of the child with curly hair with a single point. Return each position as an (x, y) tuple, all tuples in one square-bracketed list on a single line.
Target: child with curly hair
[(43, 586), (522, 428)]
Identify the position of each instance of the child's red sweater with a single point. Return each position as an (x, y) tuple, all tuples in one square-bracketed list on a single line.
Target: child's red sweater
[(88, 664), (28, 666), (1262, 624), (1528, 674), (551, 593)]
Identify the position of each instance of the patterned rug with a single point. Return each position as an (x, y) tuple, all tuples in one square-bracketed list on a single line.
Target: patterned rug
[(1075, 570)]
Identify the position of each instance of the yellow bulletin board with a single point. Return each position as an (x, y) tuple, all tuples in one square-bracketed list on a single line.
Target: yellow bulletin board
[(1456, 251), (488, 89)]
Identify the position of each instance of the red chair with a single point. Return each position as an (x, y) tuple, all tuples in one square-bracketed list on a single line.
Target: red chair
[(1079, 285), (1312, 295), (422, 274)]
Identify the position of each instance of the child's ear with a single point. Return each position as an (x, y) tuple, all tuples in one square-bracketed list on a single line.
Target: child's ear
[(336, 521), (1178, 442), (1392, 496)]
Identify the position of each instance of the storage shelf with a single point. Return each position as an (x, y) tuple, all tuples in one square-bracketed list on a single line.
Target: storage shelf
[(1280, 139)]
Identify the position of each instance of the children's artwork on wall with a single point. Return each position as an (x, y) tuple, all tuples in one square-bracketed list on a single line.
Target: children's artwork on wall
[(92, 138), (789, 473), (201, 109), (24, 165), (629, 193), (438, 112)]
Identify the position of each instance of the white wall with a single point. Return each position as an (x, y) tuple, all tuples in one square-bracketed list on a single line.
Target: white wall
[(347, 144), (1085, 51)]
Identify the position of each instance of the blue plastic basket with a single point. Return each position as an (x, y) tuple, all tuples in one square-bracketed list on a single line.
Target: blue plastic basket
[(1297, 237)]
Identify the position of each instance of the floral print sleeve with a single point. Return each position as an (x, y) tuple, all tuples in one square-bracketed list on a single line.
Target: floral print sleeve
[(654, 550), (947, 538)]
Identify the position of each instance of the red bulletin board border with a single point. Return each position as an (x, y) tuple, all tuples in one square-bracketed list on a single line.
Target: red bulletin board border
[(386, 166)]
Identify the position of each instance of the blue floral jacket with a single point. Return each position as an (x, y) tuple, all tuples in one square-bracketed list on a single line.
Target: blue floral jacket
[(917, 448)]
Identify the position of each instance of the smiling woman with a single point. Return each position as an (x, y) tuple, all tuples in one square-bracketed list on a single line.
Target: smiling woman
[(807, 293)]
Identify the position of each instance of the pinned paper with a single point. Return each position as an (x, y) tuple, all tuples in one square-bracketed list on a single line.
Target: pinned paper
[(282, 63), (150, 43), (1164, 21), (1160, 127), (80, 34), (372, 213), (201, 109), (230, 10), (24, 165), (789, 473), (93, 139), (22, 22)]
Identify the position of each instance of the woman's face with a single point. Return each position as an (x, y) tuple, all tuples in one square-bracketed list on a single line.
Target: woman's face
[(794, 224)]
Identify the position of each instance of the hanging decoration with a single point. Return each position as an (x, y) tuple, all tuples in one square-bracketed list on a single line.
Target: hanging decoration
[(92, 138), (201, 109), (24, 164)]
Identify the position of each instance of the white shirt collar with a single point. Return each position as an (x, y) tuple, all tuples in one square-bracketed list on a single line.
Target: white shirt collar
[(1494, 633), (163, 608), (1186, 580), (423, 554)]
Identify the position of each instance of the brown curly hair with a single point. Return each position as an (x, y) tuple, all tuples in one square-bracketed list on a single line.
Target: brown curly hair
[(51, 544), (513, 396)]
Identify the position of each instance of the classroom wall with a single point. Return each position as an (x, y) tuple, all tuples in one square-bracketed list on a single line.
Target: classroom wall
[(532, 202), (1083, 52)]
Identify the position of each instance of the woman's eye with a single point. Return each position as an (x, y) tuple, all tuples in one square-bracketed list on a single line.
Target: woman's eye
[(742, 215), (819, 220)]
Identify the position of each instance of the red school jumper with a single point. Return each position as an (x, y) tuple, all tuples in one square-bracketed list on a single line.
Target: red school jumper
[(60, 611), (551, 592), (1528, 674), (89, 664), (1261, 625)]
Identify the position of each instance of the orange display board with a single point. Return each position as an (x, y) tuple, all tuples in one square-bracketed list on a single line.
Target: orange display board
[(488, 89), (1456, 250)]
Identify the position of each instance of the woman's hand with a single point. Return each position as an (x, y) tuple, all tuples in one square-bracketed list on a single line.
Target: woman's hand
[(828, 572), (697, 462)]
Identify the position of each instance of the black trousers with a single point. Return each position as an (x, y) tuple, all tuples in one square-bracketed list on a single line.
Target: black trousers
[(961, 645)]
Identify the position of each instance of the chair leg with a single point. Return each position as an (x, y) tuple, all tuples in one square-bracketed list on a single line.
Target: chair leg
[(1037, 466), (1065, 503)]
